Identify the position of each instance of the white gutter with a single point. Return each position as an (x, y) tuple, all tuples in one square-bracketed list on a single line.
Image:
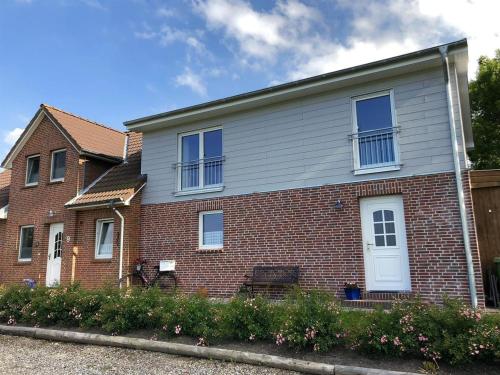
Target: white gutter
[(458, 178), (122, 230)]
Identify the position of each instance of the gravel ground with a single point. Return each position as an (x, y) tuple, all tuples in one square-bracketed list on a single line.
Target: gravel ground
[(21, 355)]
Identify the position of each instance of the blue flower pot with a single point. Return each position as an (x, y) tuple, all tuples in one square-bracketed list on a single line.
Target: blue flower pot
[(352, 294)]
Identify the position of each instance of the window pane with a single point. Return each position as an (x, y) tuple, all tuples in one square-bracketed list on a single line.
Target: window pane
[(26, 243), (388, 215), (212, 146), (389, 228), (374, 113), (58, 164), (379, 241), (375, 138), (106, 239), (213, 229), (33, 170), (391, 240), (377, 216), (379, 228), (190, 149)]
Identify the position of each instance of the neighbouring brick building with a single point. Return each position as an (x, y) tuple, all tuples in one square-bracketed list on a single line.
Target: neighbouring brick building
[(359, 175), (65, 176)]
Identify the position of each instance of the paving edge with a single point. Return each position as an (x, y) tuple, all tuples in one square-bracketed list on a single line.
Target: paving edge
[(194, 351)]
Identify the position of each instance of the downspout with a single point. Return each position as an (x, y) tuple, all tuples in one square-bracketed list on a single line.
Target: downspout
[(458, 177), (122, 230)]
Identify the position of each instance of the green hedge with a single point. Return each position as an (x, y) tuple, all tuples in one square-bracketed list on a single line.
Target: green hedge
[(313, 320)]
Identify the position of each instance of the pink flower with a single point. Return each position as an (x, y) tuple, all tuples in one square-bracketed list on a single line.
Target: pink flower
[(252, 337), (383, 339), (178, 329), (280, 339), (422, 338), (396, 341)]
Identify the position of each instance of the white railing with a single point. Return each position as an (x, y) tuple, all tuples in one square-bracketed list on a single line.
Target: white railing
[(198, 174), (375, 147)]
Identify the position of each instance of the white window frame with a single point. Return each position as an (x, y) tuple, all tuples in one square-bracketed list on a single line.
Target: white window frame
[(52, 165), (26, 183), (200, 231), (358, 170), (201, 187), (21, 243), (98, 228)]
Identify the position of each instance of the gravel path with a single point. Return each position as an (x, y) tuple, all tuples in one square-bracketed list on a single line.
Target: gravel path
[(21, 355)]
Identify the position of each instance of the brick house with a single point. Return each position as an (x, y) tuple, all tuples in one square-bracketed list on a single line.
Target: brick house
[(67, 182), (356, 175)]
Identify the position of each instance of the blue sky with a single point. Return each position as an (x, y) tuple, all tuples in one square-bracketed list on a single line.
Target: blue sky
[(116, 60)]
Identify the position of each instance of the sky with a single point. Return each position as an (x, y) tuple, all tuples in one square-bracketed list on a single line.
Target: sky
[(117, 60)]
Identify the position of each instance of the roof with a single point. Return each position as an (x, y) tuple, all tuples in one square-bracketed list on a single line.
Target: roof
[(119, 184), (88, 137), (289, 90), (4, 187)]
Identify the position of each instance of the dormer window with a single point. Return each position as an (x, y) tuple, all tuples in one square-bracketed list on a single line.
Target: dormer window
[(32, 170), (58, 165)]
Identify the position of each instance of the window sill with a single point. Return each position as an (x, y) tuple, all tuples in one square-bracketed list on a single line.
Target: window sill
[(29, 186), (55, 182), (22, 262), (386, 168), (198, 191), (210, 251)]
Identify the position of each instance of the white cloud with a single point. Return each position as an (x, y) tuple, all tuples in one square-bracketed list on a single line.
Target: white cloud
[(96, 4), (12, 136), (191, 80), (165, 12), (298, 37)]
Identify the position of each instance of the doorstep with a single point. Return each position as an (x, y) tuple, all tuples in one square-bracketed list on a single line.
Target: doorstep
[(373, 300)]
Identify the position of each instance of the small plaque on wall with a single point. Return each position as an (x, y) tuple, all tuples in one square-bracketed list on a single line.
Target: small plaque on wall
[(167, 265)]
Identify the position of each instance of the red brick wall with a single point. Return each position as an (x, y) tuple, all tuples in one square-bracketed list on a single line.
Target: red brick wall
[(92, 272), (303, 227), (31, 205)]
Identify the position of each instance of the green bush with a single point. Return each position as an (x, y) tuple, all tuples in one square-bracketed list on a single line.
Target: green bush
[(249, 319), (453, 333), (310, 320)]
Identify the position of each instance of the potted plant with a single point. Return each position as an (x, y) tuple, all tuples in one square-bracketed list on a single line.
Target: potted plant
[(352, 291)]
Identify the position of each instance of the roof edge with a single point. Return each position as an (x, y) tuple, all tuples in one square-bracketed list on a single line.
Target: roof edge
[(135, 123)]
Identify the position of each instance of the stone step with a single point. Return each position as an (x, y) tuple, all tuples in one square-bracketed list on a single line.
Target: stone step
[(367, 304), (386, 296)]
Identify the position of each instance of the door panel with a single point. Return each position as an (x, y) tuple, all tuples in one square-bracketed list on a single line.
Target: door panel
[(384, 243), (55, 250)]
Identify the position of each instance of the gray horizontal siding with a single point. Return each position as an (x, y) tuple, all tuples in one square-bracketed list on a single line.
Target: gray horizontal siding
[(306, 142)]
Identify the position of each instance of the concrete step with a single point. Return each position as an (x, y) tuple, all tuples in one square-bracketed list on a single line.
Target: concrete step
[(367, 304), (387, 296)]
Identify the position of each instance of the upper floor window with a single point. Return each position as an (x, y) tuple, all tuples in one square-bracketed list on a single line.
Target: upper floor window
[(32, 170), (58, 165), (374, 139), (26, 242), (200, 160), (104, 239)]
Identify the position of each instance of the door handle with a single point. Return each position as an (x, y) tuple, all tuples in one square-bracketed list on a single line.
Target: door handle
[(49, 256), (369, 246)]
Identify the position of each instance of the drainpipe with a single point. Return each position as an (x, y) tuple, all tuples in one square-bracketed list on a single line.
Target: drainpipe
[(458, 177), (125, 149), (122, 230)]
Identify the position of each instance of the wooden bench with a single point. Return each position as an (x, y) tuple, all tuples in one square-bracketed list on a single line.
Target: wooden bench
[(272, 276)]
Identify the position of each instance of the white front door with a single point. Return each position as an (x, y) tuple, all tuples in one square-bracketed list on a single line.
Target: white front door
[(53, 276), (384, 242)]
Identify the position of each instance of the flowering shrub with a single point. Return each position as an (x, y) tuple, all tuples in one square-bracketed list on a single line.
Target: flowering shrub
[(249, 319), (310, 320), (453, 333)]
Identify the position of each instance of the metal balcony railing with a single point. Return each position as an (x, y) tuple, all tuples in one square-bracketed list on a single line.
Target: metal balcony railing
[(375, 147), (199, 174)]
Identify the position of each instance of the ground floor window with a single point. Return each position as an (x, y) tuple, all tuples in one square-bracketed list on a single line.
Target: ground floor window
[(211, 228), (104, 239), (26, 242)]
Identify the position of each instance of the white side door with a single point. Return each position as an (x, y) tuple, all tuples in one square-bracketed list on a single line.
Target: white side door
[(53, 276), (384, 242)]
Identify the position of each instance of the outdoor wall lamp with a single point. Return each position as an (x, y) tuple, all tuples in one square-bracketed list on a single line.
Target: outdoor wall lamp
[(339, 205)]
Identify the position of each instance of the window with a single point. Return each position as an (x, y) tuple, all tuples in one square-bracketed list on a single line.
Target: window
[(375, 146), (58, 165), (104, 239), (200, 160), (32, 170), (211, 230), (384, 228), (26, 242)]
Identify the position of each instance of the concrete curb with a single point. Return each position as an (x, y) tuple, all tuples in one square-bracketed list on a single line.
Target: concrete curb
[(194, 351)]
